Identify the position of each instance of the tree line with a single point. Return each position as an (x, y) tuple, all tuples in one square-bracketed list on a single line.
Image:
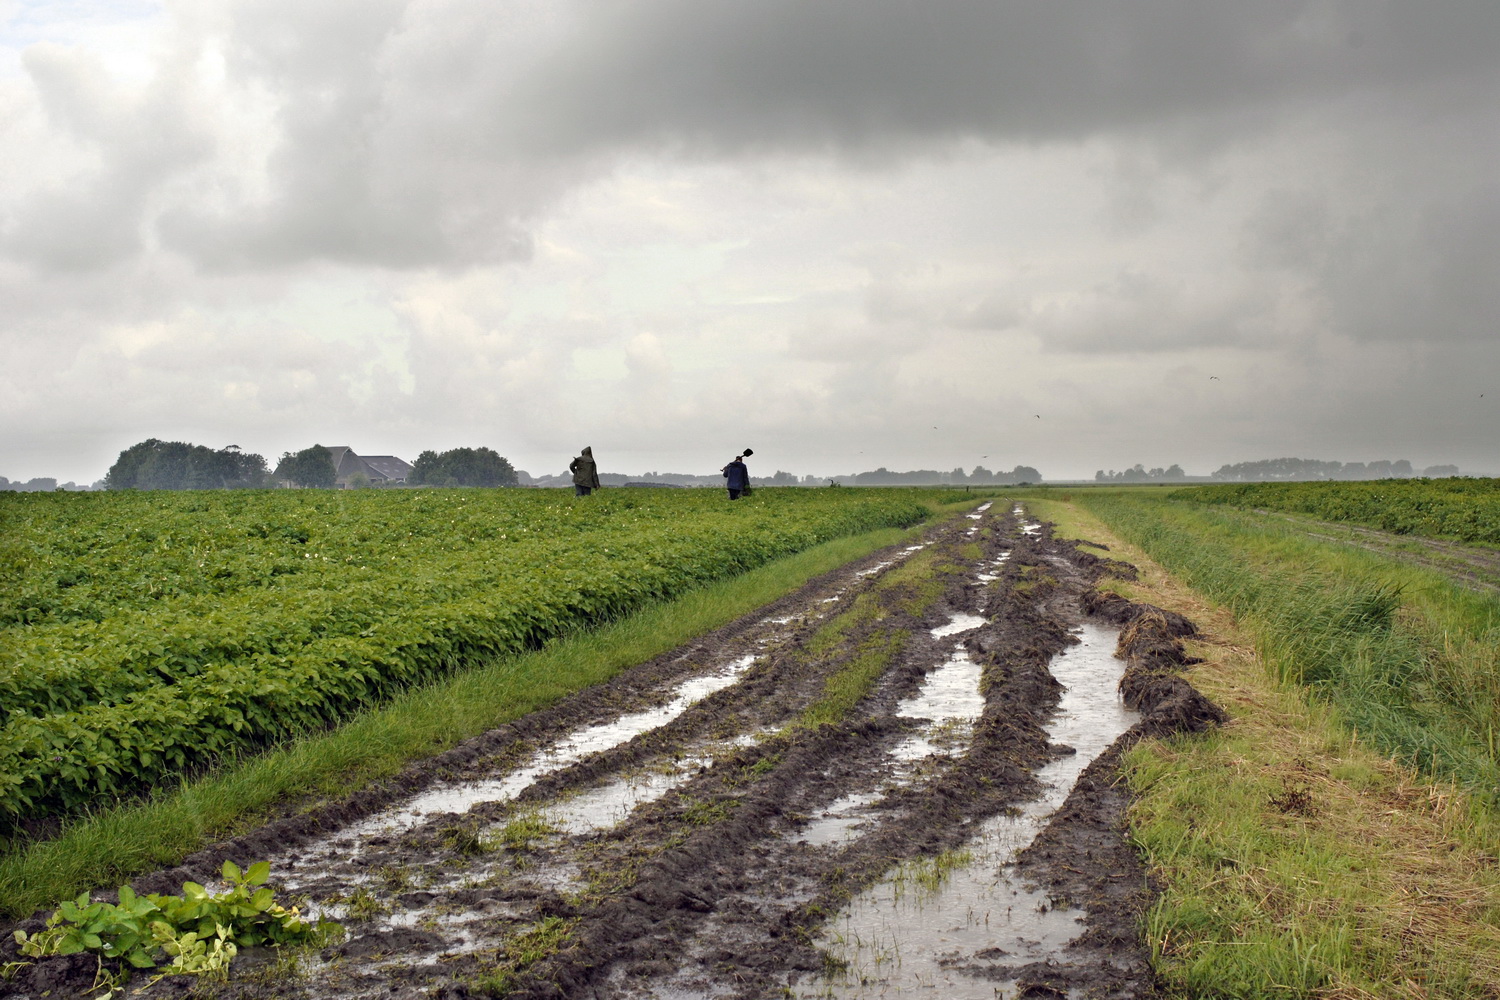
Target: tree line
[(178, 465), (1272, 469)]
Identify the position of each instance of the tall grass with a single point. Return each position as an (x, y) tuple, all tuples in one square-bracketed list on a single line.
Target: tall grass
[(1407, 657), (1293, 859)]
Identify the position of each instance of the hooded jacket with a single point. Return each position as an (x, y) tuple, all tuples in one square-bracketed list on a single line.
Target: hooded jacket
[(738, 475), (585, 472)]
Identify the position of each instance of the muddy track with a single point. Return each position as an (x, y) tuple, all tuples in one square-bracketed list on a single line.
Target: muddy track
[(687, 830)]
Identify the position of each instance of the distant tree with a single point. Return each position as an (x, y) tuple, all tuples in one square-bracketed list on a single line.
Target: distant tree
[(1023, 474), (462, 467), (981, 475), (311, 467), (1440, 471), (41, 484), (958, 475), (177, 465), (1281, 469)]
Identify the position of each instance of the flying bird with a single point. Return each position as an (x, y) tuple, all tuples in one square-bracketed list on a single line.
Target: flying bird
[(1039, 416), (1213, 378)]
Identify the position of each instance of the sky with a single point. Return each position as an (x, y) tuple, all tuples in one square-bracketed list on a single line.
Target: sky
[(846, 234)]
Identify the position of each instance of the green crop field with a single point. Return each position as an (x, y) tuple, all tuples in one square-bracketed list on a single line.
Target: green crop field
[(1467, 510), (145, 634)]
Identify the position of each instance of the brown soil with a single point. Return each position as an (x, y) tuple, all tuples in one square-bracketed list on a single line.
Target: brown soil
[(706, 889)]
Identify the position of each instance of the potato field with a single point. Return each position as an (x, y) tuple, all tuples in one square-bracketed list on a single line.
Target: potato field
[(146, 633)]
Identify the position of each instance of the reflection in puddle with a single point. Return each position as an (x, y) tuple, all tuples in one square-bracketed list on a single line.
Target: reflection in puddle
[(961, 623), (603, 807), (987, 577), (962, 936), (950, 701), (564, 753)]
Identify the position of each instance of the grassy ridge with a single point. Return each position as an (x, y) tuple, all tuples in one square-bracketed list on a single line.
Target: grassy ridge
[(1296, 859), (1464, 509)]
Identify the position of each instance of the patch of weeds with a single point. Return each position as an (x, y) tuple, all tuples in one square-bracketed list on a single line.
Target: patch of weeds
[(361, 904), (1032, 579), (955, 734), (705, 813), (765, 765), (834, 967), (464, 839), (540, 941), (521, 834), (927, 875), (394, 878)]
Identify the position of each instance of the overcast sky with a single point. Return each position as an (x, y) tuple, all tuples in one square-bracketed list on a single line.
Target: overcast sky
[(846, 234)]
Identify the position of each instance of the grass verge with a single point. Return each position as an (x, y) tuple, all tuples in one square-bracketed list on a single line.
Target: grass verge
[(112, 845), (1296, 859)]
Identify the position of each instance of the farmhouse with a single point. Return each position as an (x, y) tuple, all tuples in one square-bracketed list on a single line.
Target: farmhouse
[(353, 470)]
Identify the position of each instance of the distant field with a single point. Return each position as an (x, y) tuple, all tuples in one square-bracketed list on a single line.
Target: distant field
[(1467, 510), (142, 634)]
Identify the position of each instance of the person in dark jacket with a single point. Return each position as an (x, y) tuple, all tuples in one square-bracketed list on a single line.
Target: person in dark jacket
[(737, 476), (585, 473)]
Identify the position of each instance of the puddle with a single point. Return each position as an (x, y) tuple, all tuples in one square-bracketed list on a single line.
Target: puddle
[(985, 576), (959, 930), (839, 821), (564, 753), (961, 623), (949, 701), (604, 807)]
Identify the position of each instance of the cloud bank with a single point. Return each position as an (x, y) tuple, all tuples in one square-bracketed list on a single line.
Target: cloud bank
[(856, 234)]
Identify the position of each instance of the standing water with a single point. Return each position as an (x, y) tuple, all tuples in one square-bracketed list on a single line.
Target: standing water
[(959, 931)]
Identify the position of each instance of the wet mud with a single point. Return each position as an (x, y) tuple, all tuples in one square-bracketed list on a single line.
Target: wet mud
[(698, 827)]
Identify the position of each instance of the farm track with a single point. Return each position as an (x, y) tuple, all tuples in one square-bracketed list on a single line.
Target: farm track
[(1473, 566), (655, 836)]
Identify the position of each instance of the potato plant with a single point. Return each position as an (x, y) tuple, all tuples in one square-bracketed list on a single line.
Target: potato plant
[(144, 634), (195, 933)]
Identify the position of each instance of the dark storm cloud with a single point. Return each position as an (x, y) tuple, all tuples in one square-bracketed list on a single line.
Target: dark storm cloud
[(867, 73), (409, 134)]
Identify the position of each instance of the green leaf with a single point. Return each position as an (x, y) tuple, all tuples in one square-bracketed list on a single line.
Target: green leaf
[(231, 871), (258, 873)]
